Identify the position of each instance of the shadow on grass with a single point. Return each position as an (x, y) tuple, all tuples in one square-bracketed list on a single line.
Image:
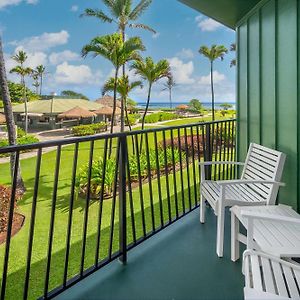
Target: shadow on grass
[(15, 281)]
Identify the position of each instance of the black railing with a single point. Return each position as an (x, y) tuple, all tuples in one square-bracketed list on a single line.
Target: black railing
[(86, 205)]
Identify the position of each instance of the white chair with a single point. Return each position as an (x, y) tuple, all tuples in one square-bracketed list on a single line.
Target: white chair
[(274, 229), (268, 277), (259, 184)]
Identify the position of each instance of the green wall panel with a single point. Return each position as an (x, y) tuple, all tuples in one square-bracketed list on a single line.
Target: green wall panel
[(268, 76), (242, 91)]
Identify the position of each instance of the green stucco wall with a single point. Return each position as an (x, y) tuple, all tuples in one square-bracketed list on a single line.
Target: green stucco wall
[(268, 86)]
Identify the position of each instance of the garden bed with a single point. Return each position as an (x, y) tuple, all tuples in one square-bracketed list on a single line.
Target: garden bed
[(18, 222)]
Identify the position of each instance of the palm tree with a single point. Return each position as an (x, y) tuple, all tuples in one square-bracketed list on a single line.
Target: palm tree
[(123, 15), (113, 48), (23, 72), (10, 123), (41, 71), (150, 72), (36, 83), (212, 54), (168, 86), (124, 87)]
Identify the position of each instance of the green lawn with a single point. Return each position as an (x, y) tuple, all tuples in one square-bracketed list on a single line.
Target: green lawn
[(19, 243)]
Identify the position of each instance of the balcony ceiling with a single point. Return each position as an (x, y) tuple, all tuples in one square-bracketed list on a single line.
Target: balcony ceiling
[(227, 12)]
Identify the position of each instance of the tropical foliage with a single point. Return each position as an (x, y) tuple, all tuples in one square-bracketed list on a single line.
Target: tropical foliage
[(168, 86), (90, 129), (72, 94)]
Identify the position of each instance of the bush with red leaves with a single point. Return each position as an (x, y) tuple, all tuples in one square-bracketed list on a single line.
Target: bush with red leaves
[(5, 195)]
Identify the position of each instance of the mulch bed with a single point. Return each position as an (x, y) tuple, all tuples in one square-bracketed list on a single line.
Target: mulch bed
[(18, 223)]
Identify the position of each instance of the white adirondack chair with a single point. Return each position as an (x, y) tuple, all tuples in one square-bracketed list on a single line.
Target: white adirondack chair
[(268, 277), (258, 185), (274, 229)]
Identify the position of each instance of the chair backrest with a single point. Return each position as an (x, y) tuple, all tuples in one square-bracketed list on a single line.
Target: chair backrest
[(263, 163)]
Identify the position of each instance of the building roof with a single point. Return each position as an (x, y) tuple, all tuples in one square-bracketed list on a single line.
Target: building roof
[(107, 100), (227, 12), (2, 118), (56, 106), (77, 113), (108, 111), (182, 106)]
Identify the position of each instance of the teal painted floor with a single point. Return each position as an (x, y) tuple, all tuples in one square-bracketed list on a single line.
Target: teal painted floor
[(178, 263)]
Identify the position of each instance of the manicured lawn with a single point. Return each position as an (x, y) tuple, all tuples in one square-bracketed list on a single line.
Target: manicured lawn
[(19, 243)]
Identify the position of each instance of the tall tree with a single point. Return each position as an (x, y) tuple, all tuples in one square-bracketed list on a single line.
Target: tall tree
[(35, 83), (213, 53), (168, 86), (150, 72), (124, 15), (113, 48), (22, 71), (10, 123), (41, 72), (68, 93)]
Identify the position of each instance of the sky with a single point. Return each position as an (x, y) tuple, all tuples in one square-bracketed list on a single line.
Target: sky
[(53, 34)]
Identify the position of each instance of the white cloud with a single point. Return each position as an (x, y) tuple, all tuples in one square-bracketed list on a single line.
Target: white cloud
[(185, 54), (44, 41), (71, 74), (74, 8), (5, 3), (218, 77), (182, 72), (207, 24), (155, 35), (56, 58)]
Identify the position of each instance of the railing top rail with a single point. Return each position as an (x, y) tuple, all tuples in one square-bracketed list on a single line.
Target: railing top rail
[(75, 140)]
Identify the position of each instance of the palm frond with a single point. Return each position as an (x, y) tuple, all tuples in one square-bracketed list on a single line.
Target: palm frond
[(98, 14), (142, 26), (139, 9)]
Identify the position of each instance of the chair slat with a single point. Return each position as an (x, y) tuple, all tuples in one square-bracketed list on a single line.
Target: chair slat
[(289, 277), (256, 275), (280, 283), (268, 277)]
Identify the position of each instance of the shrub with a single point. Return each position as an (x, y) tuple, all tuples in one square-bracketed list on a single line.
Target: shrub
[(132, 118), (97, 177), (160, 116), (90, 129)]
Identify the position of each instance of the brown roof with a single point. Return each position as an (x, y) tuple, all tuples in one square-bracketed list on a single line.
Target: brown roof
[(108, 101), (107, 111), (2, 118), (76, 113), (182, 106)]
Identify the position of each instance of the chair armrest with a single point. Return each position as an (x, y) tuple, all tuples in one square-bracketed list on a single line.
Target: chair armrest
[(270, 217), (242, 181), (209, 163)]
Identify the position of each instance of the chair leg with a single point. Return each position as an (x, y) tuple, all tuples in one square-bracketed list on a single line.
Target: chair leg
[(202, 209), (220, 229), (235, 244)]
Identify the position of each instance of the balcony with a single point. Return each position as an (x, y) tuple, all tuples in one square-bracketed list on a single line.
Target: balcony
[(88, 207)]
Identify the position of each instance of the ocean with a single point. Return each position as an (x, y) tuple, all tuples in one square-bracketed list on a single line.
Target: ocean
[(157, 105)]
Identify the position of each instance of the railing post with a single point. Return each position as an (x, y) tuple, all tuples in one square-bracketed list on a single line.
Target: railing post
[(208, 150), (122, 198)]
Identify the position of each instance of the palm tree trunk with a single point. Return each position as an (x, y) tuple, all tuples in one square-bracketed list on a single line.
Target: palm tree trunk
[(114, 111), (212, 91), (170, 95), (145, 113), (10, 123), (25, 105), (41, 84)]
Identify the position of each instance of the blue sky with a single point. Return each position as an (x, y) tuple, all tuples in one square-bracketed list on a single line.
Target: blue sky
[(52, 33)]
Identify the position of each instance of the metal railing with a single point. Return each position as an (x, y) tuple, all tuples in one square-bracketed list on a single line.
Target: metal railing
[(100, 202)]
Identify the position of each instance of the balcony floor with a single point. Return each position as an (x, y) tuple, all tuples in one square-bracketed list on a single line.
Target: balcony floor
[(180, 262)]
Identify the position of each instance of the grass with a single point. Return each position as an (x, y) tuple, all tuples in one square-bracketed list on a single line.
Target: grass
[(19, 243)]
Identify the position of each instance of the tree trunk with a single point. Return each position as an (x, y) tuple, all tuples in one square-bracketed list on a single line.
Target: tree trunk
[(145, 113), (41, 84), (212, 91), (10, 123), (114, 111), (25, 105), (170, 96)]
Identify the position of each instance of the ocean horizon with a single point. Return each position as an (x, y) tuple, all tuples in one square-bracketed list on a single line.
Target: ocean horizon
[(157, 105)]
